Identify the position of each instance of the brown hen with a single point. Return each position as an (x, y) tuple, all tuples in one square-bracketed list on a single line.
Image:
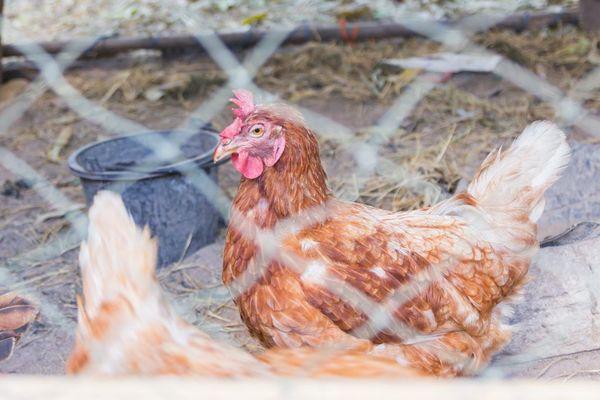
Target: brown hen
[(428, 286), (126, 326)]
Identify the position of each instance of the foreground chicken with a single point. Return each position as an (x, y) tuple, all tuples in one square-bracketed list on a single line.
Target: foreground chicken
[(430, 285), (125, 325)]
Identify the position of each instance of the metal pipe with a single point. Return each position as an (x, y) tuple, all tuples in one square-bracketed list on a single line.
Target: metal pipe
[(358, 31)]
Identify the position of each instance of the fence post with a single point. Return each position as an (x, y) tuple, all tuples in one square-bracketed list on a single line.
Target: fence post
[(1, 28)]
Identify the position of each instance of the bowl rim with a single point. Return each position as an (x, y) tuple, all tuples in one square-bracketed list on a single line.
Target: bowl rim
[(203, 160)]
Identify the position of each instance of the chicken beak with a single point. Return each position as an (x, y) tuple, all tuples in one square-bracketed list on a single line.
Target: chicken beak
[(223, 150)]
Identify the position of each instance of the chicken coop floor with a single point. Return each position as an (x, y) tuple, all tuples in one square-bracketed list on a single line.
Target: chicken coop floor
[(445, 136)]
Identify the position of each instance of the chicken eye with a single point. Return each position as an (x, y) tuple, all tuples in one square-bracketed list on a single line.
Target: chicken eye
[(257, 131)]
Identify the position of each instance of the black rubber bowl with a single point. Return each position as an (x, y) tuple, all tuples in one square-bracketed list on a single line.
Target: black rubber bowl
[(153, 190)]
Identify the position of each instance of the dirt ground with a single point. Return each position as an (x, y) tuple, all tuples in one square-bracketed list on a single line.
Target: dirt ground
[(29, 19), (448, 133)]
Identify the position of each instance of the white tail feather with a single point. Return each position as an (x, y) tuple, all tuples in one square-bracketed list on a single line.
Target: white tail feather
[(125, 325), (518, 177), (118, 259)]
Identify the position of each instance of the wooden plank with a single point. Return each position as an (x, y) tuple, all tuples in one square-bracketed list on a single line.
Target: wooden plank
[(1, 24), (303, 33), (53, 388)]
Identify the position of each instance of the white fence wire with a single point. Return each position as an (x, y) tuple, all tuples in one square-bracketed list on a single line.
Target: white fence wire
[(241, 75)]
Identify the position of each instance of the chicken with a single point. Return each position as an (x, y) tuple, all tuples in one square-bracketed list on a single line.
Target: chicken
[(16, 313), (126, 326), (430, 286)]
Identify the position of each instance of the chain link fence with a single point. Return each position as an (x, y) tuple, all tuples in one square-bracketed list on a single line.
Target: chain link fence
[(365, 150)]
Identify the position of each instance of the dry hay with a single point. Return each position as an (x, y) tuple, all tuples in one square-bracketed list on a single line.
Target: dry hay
[(451, 129), (30, 20), (332, 70)]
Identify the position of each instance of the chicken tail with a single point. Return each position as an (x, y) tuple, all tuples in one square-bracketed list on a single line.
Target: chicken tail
[(510, 185), (126, 325), (118, 259), (519, 177), (117, 263)]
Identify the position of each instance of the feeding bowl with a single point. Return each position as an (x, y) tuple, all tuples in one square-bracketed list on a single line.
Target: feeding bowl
[(154, 190)]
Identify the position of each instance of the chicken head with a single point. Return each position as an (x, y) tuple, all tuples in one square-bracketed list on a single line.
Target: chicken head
[(254, 139)]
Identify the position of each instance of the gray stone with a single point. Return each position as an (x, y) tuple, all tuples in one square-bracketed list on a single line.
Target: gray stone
[(576, 196), (559, 316), (581, 231), (41, 352)]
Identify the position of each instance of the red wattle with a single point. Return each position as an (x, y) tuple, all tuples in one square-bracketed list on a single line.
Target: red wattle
[(250, 167)]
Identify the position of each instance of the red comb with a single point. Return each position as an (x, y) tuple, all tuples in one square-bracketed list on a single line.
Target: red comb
[(232, 130), (245, 101)]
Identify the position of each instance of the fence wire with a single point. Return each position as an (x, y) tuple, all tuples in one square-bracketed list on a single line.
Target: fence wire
[(241, 74)]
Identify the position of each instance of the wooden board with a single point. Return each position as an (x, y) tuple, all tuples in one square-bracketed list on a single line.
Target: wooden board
[(46, 388)]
